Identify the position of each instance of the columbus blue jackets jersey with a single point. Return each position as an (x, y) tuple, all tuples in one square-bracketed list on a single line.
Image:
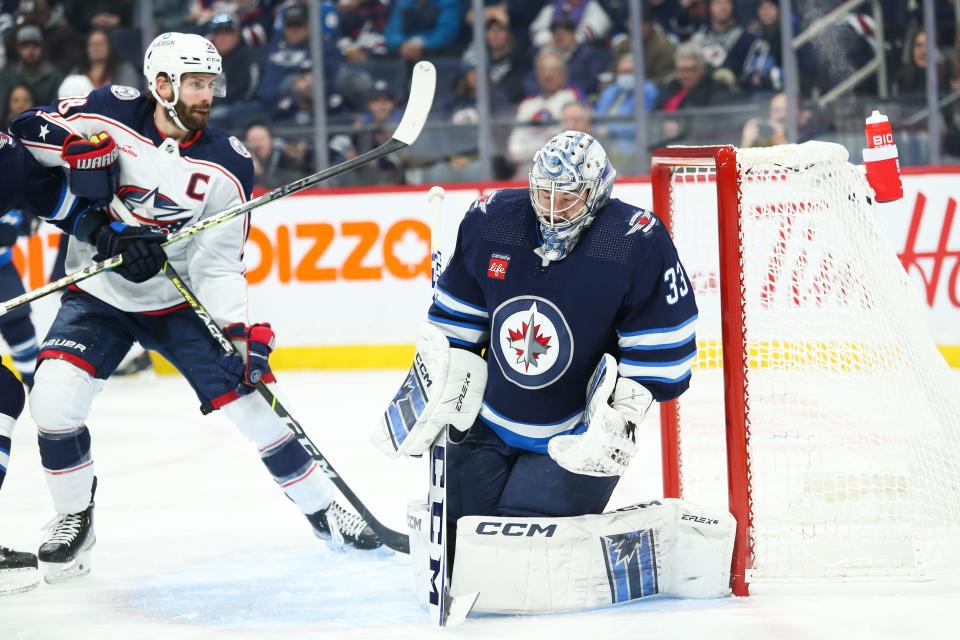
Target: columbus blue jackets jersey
[(622, 290), (163, 184)]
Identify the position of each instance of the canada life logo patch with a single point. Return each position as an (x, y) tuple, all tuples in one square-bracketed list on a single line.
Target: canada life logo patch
[(497, 269), (534, 345)]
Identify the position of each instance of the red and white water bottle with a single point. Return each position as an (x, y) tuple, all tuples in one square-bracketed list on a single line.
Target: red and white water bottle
[(881, 160)]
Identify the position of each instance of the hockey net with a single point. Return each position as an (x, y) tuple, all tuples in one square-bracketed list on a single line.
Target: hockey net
[(819, 406)]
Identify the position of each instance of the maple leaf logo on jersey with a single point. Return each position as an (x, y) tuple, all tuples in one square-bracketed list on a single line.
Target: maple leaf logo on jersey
[(139, 197), (528, 343)]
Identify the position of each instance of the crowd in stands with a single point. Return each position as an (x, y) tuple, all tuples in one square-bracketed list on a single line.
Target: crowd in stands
[(552, 64)]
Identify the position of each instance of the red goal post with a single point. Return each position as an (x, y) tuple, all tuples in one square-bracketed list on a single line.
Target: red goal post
[(818, 402)]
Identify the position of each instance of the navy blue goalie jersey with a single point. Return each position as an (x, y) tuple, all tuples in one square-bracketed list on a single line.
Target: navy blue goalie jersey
[(622, 290)]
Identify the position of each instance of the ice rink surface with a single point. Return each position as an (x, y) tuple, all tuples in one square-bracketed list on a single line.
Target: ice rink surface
[(194, 540)]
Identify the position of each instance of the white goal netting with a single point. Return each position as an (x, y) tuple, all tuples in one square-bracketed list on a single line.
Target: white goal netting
[(853, 415)]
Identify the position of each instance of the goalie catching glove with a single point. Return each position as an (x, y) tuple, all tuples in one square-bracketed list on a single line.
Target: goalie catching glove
[(444, 387), (615, 408)]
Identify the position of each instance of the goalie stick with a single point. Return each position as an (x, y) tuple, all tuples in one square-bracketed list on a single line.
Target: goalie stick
[(411, 124), (393, 539), (445, 610)]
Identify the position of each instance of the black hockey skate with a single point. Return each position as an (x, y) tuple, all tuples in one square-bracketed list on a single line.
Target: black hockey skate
[(18, 571), (343, 527), (65, 553)]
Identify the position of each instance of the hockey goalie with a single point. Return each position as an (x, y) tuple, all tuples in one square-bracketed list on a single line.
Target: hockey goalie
[(562, 315)]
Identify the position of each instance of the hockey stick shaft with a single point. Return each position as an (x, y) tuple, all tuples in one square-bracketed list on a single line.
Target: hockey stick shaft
[(438, 597), (393, 539), (414, 117)]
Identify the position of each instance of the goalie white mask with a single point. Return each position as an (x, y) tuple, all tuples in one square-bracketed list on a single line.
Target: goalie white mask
[(570, 181), (175, 55)]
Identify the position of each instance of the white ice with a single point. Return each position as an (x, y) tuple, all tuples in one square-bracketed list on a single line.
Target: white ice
[(194, 540)]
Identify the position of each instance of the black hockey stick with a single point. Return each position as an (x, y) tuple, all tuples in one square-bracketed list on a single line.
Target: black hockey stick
[(414, 117), (393, 539)]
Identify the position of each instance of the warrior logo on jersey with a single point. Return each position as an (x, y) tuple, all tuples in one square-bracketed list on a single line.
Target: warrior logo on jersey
[(631, 560), (534, 344), (642, 221)]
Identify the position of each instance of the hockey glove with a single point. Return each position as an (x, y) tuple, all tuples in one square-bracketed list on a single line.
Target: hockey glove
[(143, 255), (615, 408), (444, 387), (255, 343), (94, 167)]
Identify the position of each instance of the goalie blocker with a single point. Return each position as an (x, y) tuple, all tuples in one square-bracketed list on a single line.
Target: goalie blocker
[(542, 565)]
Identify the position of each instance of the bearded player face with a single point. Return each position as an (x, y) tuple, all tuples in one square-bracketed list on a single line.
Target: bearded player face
[(196, 97)]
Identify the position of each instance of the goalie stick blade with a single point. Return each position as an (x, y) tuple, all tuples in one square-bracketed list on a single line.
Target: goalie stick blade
[(456, 609), (422, 87)]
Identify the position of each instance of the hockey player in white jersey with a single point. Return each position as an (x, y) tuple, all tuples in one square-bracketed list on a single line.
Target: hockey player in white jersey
[(155, 166)]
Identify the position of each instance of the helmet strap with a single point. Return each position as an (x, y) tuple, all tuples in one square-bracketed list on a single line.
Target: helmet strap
[(170, 107)]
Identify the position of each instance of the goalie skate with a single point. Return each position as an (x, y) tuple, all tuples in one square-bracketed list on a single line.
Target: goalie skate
[(18, 571), (343, 527), (65, 553)]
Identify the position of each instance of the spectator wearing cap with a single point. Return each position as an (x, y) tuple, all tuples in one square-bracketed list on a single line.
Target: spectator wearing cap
[(362, 23), (585, 62), (242, 70), (31, 68), (240, 65), (373, 129), (538, 114), (508, 65), (103, 65), (289, 53), (419, 28), (592, 22)]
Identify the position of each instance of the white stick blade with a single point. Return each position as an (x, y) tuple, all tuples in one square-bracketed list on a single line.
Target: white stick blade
[(422, 88)]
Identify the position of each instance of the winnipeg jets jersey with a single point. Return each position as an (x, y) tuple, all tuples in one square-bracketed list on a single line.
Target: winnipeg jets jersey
[(622, 290), (164, 185)]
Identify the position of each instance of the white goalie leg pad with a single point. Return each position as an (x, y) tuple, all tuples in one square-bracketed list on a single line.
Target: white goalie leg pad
[(615, 408), (538, 565), (444, 386)]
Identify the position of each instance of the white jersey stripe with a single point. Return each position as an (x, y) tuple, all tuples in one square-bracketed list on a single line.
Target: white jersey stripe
[(460, 331), (658, 338), (530, 430), (673, 371), (459, 306)]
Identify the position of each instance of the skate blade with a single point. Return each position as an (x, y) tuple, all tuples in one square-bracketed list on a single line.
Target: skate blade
[(57, 572), (18, 580)]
